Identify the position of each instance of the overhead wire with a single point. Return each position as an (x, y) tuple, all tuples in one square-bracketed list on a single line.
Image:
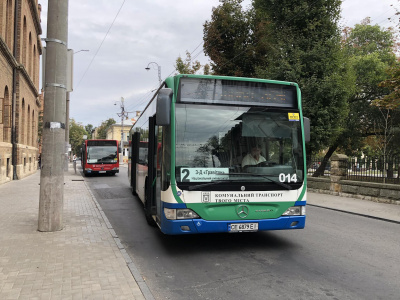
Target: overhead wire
[(101, 44)]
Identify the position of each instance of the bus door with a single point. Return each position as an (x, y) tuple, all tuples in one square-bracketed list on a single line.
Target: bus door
[(134, 153), (152, 186)]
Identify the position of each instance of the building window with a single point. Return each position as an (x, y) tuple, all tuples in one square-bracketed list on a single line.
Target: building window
[(1, 110), (24, 36), (9, 24), (30, 55), (28, 134), (6, 117), (23, 123)]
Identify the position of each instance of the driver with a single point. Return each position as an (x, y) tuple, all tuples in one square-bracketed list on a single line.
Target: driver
[(254, 157)]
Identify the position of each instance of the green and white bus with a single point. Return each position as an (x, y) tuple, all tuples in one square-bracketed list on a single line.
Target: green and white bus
[(221, 154)]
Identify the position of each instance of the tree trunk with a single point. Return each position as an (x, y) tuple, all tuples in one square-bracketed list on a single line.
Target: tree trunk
[(321, 169)]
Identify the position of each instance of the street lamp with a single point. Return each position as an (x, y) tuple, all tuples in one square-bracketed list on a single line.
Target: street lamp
[(69, 89), (159, 70), (81, 51)]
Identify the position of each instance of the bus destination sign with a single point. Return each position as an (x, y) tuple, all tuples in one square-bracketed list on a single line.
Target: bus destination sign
[(221, 91)]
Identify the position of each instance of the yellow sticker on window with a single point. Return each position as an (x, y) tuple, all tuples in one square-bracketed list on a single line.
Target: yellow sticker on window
[(294, 116)]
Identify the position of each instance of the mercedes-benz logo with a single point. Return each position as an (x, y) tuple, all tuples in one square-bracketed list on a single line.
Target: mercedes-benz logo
[(242, 211)]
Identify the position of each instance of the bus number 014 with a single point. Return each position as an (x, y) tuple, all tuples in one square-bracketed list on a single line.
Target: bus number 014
[(287, 178)]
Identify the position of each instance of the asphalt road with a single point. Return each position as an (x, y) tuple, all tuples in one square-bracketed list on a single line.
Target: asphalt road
[(337, 255)]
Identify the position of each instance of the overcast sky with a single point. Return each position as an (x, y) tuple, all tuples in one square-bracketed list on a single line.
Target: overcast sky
[(124, 36)]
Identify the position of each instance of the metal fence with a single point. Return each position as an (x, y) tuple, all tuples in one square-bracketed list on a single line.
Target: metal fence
[(374, 169), (313, 163), (370, 169)]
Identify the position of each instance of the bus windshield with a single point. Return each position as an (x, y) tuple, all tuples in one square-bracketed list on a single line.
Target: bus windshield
[(102, 154), (222, 143)]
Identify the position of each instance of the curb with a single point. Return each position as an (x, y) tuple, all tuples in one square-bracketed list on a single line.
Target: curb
[(354, 213)]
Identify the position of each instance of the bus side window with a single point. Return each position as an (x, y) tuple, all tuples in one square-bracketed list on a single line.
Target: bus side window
[(143, 159)]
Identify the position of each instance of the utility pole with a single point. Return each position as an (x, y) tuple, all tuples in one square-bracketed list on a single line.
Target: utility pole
[(51, 199), (123, 114)]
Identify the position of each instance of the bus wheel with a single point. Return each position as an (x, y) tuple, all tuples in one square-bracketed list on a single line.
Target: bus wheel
[(149, 219), (147, 214)]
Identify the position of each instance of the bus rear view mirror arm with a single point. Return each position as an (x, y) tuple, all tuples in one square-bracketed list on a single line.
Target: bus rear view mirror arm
[(163, 109)]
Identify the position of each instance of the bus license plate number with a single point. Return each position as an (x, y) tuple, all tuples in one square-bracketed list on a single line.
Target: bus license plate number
[(243, 227)]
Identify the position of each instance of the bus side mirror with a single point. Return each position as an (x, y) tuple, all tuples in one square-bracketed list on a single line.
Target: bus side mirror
[(163, 107), (306, 124)]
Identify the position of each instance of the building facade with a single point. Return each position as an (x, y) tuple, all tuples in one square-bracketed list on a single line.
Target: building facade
[(114, 132), (20, 50)]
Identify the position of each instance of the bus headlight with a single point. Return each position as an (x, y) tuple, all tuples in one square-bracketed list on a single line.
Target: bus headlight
[(295, 211), (180, 214)]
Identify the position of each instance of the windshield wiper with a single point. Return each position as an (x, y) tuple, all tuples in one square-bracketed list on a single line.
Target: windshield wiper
[(286, 186), (195, 187)]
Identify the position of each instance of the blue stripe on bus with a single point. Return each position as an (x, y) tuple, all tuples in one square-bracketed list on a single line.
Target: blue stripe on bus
[(194, 226)]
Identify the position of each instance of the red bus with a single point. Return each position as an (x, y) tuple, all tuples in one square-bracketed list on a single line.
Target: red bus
[(100, 156)]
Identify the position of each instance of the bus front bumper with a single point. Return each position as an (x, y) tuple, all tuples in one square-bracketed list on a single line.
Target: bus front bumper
[(194, 226)]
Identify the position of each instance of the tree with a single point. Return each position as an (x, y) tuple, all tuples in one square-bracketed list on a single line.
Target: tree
[(89, 129), (102, 129), (76, 133), (386, 124), (370, 51), (290, 40), (228, 40), (188, 66), (301, 41)]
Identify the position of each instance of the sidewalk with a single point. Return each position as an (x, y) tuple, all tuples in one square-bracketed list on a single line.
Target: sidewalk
[(82, 261), (390, 212)]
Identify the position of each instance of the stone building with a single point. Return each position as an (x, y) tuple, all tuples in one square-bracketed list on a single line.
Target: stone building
[(114, 132), (20, 50)]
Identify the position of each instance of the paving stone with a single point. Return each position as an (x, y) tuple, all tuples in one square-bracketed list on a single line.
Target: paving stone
[(82, 261)]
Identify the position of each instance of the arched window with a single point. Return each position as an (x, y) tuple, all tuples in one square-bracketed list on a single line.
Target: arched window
[(1, 17), (1, 109), (33, 128), (23, 122), (30, 55), (24, 45), (35, 72), (6, 117), (9, 24), (28, 134)]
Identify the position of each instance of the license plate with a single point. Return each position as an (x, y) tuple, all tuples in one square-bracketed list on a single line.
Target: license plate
[(238, 227), (102, 171)]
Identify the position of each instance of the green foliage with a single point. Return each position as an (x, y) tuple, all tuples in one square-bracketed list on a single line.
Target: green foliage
[(370, 52), (228, 40), (76, 133), (290, 40), (366, 39), (306, 46), (102, 129), (392, 85), (89, 129), (188, 66)]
